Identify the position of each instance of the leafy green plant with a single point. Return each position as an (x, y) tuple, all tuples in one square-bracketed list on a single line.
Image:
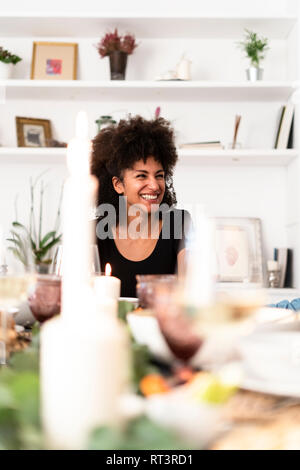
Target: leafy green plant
[(20, 426), (7, 57), (41, 244), (254, 47), (139, 434)]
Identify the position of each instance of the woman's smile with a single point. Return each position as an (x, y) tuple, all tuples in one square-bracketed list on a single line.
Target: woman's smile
[(144, 184)]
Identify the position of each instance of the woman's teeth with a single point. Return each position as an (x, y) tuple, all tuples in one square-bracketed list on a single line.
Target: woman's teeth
[(149, 197)]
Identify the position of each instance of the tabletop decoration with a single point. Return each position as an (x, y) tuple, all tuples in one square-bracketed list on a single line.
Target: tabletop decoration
[(41, 243), (117, 48), (7, 61), (107, 286), (255, 47), (80, 386)]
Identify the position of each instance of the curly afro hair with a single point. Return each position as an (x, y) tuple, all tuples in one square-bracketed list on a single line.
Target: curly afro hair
[(118, 147)]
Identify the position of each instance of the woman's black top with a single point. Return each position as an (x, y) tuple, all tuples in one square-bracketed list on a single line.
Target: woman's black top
[(162, 260)]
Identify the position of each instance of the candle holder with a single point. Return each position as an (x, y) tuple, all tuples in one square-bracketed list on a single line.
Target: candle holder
[(45, 298)]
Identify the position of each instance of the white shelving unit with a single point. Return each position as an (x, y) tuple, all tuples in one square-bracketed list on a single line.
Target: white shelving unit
[(244, 157), (88, 24), (147, 90), (260, 181)]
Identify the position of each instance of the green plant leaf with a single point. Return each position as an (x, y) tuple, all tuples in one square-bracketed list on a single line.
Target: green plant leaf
[(124, 307), (17, 224), (17, 254), (139, 434), (46, 248), (47, 237), (16, 242)]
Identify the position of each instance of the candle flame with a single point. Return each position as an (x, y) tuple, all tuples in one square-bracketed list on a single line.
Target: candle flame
[(107, 269)]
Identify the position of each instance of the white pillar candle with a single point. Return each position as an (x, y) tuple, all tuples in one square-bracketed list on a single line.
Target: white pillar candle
[(84, 371), (273, 265), (78, 196), (84, 355), (107, 286)]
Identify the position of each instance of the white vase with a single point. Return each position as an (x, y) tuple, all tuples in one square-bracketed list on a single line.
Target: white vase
[(5, 71), (254, 74)]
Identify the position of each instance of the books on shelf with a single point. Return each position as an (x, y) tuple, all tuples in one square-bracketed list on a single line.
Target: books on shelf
[(213, 144), (284, 258), (284, 135)]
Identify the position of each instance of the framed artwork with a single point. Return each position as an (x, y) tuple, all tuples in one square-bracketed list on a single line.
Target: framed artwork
[(33, 132), (239, 250), (54, 61)]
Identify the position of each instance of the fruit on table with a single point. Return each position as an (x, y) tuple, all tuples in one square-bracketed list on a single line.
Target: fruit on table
[(210, 388), (152, 384)]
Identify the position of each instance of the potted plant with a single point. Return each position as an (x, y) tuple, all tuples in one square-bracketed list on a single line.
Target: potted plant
[(255, 47), (7, 60), (117, 48), (41, 244)]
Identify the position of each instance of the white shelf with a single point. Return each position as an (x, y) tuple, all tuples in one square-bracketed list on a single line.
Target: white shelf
[(111, 90), (245, 157), (33, 155), (91, 24)]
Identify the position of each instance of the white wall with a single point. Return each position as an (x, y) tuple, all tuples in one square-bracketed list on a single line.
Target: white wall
[(238, 7), (225, 191)]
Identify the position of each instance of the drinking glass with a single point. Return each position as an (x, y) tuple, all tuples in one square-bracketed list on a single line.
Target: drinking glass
[(146, 284), (177, 323), (57, 267), (17, 275), (45, 297)]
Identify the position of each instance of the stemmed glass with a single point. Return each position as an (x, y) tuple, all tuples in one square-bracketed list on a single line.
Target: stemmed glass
[(17, 275), (177, 323)]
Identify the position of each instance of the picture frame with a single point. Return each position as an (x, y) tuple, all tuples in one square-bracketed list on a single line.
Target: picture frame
[(239, 250), (54, 61), (33, 132)]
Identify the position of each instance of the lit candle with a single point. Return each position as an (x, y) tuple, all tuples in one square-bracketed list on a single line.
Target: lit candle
[(84, 355), (107, 286)]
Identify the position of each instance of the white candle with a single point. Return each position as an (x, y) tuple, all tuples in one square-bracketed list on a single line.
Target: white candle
[(107, 286), (273, 265), (77, 236), (84, 355), (84, 370), (199, 283)]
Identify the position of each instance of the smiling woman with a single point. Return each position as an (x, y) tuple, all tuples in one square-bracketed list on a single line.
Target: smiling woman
[(138, 231)]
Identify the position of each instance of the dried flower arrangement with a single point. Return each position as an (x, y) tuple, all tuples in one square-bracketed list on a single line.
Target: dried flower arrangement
[(113, 42)]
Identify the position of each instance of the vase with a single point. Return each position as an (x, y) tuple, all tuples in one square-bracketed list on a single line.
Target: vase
[(5, 71), (254, 74), (118, 62), (43, 268)]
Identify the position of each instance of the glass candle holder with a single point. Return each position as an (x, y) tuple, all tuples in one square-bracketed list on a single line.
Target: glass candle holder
[(45, 297)]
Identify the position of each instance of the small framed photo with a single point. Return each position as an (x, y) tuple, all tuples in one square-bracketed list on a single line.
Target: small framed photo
[(33, 132), (54, 61), (239, 250)]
